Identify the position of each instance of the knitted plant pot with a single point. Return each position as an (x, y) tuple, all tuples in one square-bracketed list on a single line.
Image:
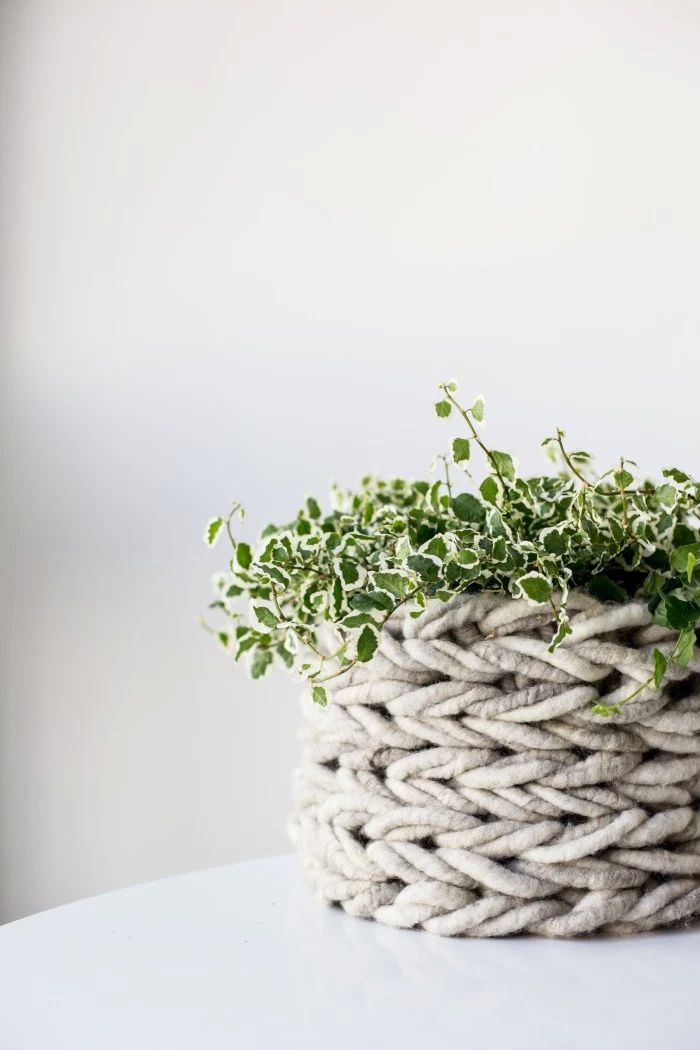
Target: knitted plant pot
[(460, 783)]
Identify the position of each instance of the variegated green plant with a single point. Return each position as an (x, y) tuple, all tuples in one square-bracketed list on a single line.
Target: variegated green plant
[(319, 589)]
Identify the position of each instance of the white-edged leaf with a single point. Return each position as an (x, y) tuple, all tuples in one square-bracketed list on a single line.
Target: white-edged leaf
[(266, 616), (211, 533), (460, 450), (367, 644), (319, 695), (478, 410)]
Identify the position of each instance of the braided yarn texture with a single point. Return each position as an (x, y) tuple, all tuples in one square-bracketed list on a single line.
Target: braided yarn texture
[(460, 783)]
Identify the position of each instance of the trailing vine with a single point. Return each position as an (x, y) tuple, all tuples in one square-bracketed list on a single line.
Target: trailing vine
[(320, 588)]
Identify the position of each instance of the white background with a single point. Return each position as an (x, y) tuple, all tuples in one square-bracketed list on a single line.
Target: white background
[(241, 243)]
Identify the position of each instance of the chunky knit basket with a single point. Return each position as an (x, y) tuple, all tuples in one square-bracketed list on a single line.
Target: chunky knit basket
[(460, 783)]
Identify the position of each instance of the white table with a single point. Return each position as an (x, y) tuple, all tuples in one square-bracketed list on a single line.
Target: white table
[(245, 956)]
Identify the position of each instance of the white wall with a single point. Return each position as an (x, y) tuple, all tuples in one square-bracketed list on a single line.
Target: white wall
[(241, 242)]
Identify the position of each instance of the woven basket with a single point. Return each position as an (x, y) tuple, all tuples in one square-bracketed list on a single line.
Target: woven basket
[(460, 783)]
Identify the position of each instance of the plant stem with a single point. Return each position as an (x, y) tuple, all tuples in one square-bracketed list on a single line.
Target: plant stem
[(594, 488), (464, 412), (613, 708), (577, 474), (447, 475), (380, 626)]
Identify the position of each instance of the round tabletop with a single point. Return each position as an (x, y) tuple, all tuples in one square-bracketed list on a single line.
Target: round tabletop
[(245, 956)]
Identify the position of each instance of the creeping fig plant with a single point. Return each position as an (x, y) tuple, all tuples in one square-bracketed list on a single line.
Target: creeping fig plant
[(319, 589)]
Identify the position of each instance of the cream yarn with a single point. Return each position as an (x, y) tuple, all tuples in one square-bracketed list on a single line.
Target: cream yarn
[(460, 783)]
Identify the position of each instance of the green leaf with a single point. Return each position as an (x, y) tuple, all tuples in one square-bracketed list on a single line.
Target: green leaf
[(504, 464), (682, 535), (437, 547), (606, 590), (676, 613), (245, 644), (660, 668), (244, 555), (367, 644), (212, 531), (349, 571), (563, 628), (468, 508), (677, 475), (383, 600), (362, 601), (489, 490), (460, 450), (366, 601), (338, 595), (358, 619), (499, 551), (666, 495), (319, 696), (443, 409), (477, 410), (683, 651), (623, 479), (266, 616), (681, 556), (262, 658), (424, 566), (653, 585), (536, 587), (285, 656), (271, 573), (393, 582), (554, 542), (313, 507)]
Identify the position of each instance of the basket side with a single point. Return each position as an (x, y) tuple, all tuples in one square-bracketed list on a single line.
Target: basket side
[(460, 782)]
